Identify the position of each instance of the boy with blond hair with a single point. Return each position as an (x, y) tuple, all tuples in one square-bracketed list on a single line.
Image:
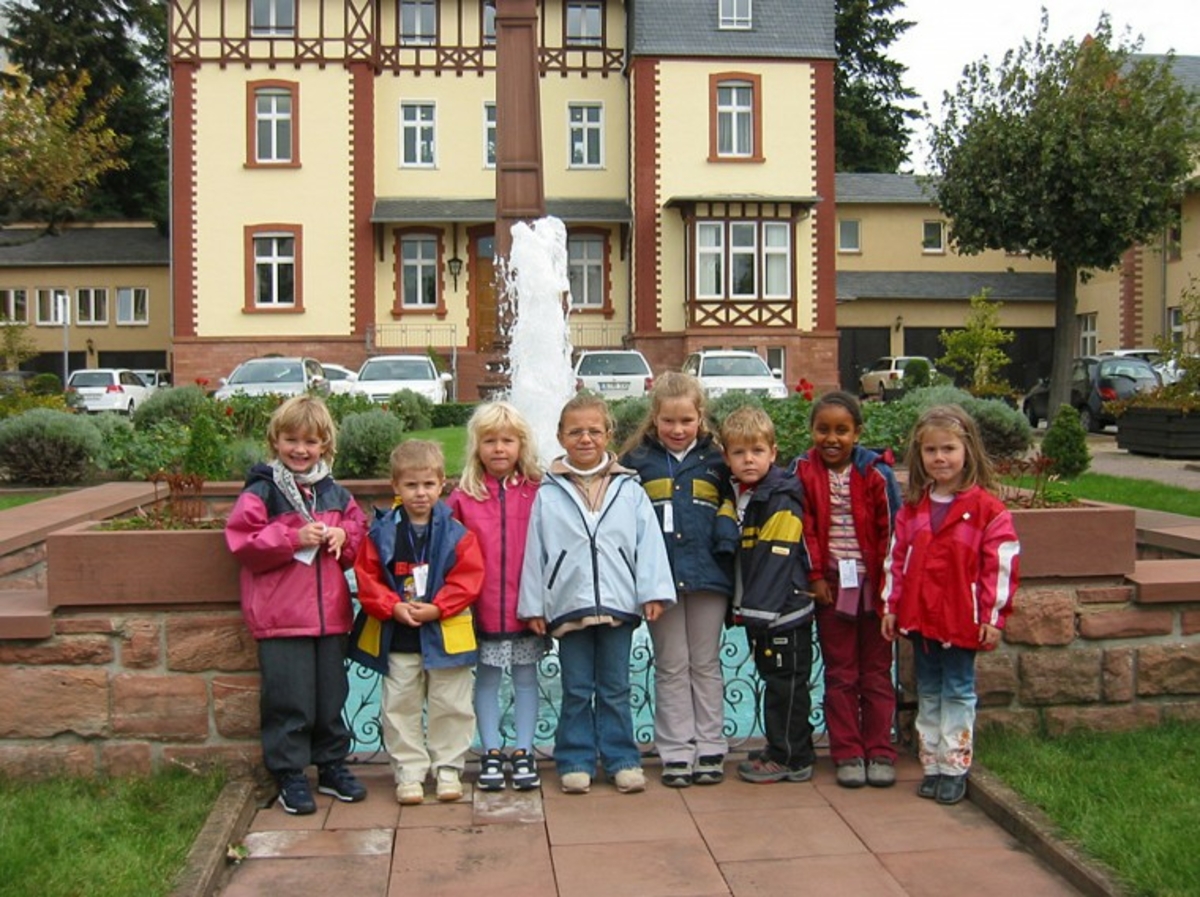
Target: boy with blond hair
[(418, 574)]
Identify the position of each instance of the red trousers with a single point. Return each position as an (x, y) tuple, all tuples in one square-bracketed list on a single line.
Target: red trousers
[(860, 701)]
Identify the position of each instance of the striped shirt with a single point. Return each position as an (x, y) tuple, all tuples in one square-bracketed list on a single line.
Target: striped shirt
[(843, 542)]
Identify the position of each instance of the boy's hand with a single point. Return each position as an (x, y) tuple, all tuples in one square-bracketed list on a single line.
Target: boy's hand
[(989, 636), (402, 613), (537, 625), (888, 627), (424, 612), (335, 538), (820, 591), (652, 610), (311, 534)]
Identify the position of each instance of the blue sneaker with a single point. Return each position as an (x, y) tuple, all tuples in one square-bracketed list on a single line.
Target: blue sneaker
[(336, 780), (295, 796)]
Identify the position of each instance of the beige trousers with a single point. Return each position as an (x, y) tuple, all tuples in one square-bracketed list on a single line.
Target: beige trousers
[(428, 716)]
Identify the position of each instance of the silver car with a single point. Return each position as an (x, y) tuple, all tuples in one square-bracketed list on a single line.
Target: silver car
[(382, 376), (614, 373), (735, 370), (274, 376)]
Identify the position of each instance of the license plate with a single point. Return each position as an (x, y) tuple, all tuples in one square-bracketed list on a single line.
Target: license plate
[(613, 387)]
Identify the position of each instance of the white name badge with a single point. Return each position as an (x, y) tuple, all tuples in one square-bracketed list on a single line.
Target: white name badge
[(848, 573), (307, 555), (668, 518), (420, 575)]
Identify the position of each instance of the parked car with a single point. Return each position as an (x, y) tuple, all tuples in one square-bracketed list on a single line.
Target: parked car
[(274, 376), (735, 370), (614, 373), (342, 380), (383, 375), (108, 389), (153, 377), (886, 373), (1168, 372), (1094, 381)]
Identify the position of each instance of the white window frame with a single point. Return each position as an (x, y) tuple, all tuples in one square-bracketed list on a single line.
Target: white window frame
[(844, 243), (422, 31), (131, 300), (422, 267), (418, 118), (1087, 334), (269, 254), (14, 305), (585, 121), (1176, 331), (91, 306), (734, 15), (735, 120), (489, 134), (776, 256), (710, 260), (279, 125), (930, 246), (59, 301), (771, 250), (585, 267), (742, 252), (487, 25), (281, 18), (576, 17)]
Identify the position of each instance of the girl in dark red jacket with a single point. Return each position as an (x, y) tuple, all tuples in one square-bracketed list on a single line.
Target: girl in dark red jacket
[(951, 575), (850, 500), (493, 500)]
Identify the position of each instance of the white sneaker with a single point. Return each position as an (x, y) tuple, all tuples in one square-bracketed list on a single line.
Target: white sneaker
[(410, 793), (449, 786), (576, 783), (630, 781)]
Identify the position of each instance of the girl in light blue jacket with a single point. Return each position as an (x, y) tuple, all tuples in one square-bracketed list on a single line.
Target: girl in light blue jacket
[(595, 564)]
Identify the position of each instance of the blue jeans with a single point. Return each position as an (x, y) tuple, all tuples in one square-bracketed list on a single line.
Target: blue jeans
[(945, 706), (595, 721)]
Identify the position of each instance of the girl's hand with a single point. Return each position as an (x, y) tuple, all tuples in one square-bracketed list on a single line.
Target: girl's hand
[(888, 627), (311, 534), (335, 538), (820, 590), (989, 636), (537, 625), (652, 610)]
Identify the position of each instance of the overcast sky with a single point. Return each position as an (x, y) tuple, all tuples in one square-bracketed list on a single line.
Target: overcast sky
[(950, 34)]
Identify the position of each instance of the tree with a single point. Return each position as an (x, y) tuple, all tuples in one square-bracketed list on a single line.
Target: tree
[(121, 45), (52, 149), (16, 344), (871, 129), (975, 350), (1072, 153)]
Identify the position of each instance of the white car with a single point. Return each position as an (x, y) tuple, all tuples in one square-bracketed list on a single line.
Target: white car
[(735, 370), (342, 381), (274, 376), (108, 389), (614, 373), (382, 376), (886, 373)]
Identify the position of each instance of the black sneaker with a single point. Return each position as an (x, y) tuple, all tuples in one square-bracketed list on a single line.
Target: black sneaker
[(710, 770), (524, 771), (491, 772), (951, 789), (295, 796), (928, 788), (337, 781), (677, 774)]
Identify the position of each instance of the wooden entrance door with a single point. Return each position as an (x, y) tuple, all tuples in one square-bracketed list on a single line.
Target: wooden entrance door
[(483, 292)]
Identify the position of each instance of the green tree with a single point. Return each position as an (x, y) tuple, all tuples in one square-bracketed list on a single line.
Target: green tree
[(16, 345), (53, 148), (1072, 152), (872, 129), (121, 45), (975, 351)]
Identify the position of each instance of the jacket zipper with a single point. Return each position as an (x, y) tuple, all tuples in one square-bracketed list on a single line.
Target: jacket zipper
[(503, 562)]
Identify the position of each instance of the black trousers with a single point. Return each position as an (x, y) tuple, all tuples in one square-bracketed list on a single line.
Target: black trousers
[(784, 663), (304, 689)]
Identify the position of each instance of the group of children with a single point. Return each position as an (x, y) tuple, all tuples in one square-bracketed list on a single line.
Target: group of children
[(688, 530)]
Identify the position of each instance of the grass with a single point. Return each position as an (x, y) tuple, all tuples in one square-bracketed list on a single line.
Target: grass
[(16, 499), (1148, 494), (1129, 799), (453, 441), (100, 837)]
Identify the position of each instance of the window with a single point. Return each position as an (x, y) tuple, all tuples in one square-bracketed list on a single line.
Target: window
[(133, 306), (91, 306), (14, 306), (745, 259), (734, 14), (1175, 328), (419, 272), (487, 27), (849, 235), (417, 135), (776, 358), (585, 270), (584, 23), (586, 127), (274, 266), (51, 306), (273, 123), (418, 23), (1087, 334), (272, 18), (933, 236), (735, 124), (489, 135)]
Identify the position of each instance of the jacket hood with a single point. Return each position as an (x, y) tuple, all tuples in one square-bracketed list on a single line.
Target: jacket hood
[(777, 481), (260, 472), (559, 468)]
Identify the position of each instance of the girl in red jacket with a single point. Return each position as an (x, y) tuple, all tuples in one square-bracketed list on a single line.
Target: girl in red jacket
[(493, 500), (850, 500), (951, 575)]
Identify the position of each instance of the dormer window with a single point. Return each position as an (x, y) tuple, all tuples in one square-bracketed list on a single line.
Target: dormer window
[(734, 14), (584, 23), (272, 18)]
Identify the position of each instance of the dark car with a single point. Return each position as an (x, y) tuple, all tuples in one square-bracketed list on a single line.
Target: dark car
[(1094, 381)]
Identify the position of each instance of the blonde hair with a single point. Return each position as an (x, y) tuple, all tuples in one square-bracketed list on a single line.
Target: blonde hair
[(417, 454), (584, 401), (977, 467), (747, 424), (670, 385), (304, 415), (487, 420)]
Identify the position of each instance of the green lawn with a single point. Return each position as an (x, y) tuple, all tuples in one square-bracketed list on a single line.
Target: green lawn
[(16, 499), (1149, 494), (454, 444)]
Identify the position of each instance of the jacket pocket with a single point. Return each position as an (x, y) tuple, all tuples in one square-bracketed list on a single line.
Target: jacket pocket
[(628, 564), (562, 556), (458, 633)]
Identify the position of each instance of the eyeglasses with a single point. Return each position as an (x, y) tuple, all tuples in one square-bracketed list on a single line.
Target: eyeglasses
[(594, 435)]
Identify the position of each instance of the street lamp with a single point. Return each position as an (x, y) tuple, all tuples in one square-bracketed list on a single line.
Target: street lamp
[(64, 315)]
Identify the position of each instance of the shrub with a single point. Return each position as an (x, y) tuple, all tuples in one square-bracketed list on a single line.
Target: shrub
[(242, 455), (18, 401), (1065, 444), (414, 411), (116, 430), (365, 443), (888, 426), (628, 415), (180, 404), (341, 404), (205, 455), (248, 416), (453, 414), (48, 448), (721, 408), (140, 453), (792, 432), (916, 373), (45, 385)]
